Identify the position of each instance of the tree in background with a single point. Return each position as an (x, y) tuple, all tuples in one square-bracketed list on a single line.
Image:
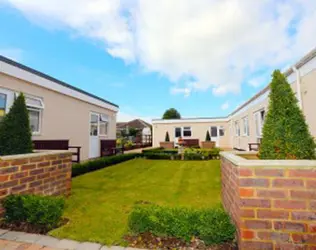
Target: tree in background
[(15, 130), (285, 132), (171, 114), (167, 139), (133, 131), (208, 137)]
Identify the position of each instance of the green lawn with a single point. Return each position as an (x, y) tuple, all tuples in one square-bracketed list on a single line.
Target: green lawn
[(101, 201)]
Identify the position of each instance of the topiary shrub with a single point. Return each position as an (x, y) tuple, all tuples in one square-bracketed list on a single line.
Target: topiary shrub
[(208, 137), (167, 139), (40, 211), (211, 225), (15, 130), (285, 132)]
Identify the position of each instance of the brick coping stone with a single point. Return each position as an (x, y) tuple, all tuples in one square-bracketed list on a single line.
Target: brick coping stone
[(19, 240), (236, 159), (36, 153)]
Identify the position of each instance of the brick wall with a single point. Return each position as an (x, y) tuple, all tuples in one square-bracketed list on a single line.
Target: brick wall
[(47, 173), (273, 207)]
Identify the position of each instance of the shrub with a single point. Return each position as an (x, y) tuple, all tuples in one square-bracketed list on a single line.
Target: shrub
[(128, 144), (42, 211), (167, 139), (208, 137), (15, 131), (212, 225), (285, 132), (89, 166), (157, 156)]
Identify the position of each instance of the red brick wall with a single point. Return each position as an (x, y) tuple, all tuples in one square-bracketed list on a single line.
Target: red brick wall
[(46, 173), (272, 207)]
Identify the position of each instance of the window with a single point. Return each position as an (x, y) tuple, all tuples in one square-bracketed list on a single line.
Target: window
[(104, 122), (3, 101), (221, 131), (34, 106), (237, 129), (94, 124), (177, 132), (259, 120), (246, 126), (213, 131), (187, 131)]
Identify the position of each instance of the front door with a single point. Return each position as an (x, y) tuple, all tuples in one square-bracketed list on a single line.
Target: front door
[(94, 151), (215, 135)]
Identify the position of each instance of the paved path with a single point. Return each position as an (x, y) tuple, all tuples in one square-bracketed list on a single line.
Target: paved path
[(11, 240)]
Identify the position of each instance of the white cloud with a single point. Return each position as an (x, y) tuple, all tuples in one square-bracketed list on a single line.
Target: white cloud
[(125, 117), (185, 91), (225, 106), (12, 53), (218, 43)]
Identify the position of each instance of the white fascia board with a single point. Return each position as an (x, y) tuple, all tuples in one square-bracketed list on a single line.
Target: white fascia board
[(43, 82), (191, 120)]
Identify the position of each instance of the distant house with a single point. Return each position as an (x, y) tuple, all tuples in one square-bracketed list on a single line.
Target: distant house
[(143, 127), (243, 126), (58, 111)]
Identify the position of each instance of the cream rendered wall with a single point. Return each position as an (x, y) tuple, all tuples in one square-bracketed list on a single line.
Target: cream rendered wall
[(198, 131), (308, 93), (64, 117)]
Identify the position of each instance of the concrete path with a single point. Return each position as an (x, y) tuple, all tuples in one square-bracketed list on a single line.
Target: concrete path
[(12, 240)]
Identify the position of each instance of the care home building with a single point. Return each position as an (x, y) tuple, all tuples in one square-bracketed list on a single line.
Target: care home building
[(244, 125), (57, 110)]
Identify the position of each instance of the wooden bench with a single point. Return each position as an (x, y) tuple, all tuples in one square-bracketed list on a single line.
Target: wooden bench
[(254, 146), (191, 142), (108, 148), (58, 145)]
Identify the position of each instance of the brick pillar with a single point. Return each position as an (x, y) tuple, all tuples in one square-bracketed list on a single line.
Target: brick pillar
[(273, 207)]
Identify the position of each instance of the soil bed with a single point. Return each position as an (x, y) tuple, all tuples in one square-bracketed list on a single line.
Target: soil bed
[(149, 241)]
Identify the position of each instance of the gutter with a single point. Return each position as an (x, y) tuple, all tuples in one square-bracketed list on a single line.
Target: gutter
[(298, 86)]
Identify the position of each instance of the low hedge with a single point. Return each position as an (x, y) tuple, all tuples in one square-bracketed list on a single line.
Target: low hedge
[(92, 165), (211, 225), (189, 154), (38, 211)]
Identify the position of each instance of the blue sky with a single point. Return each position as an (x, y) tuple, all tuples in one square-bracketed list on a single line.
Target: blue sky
[(148, 58)]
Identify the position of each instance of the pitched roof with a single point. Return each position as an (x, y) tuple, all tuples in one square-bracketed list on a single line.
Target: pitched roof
[(50, 78), (137, 123)]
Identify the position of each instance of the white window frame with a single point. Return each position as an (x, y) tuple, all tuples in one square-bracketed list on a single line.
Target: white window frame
[(221, 128), (180, 132), (103, 121), (185, 129), (259, 121), (39, 120), (245, 126), (237, 128)]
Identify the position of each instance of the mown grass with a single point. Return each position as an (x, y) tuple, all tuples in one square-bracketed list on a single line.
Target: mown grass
[(101, 201)]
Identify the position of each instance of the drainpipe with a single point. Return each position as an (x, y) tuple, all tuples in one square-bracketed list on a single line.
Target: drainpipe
[(298, 86)]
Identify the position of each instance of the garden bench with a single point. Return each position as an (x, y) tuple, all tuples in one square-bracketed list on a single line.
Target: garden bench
[(108, 148), (58, 145)]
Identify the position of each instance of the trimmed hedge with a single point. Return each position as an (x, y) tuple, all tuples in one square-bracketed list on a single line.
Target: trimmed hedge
[(41, 211), (92, 165), (211, 225), (189, 154)]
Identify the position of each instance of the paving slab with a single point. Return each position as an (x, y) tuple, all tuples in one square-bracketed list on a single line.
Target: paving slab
[(116, 248), (68, 244), (48, 241), (10, 235), (3, 231), (29, 238), (105, 248), (89, 246)]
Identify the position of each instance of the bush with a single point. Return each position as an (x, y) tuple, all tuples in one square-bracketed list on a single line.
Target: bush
[(212, 225), (128, 144), (208, 137), (167, 139), (157, 156), (89, 166), (15, 131), (285, 132), (41, 211)]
